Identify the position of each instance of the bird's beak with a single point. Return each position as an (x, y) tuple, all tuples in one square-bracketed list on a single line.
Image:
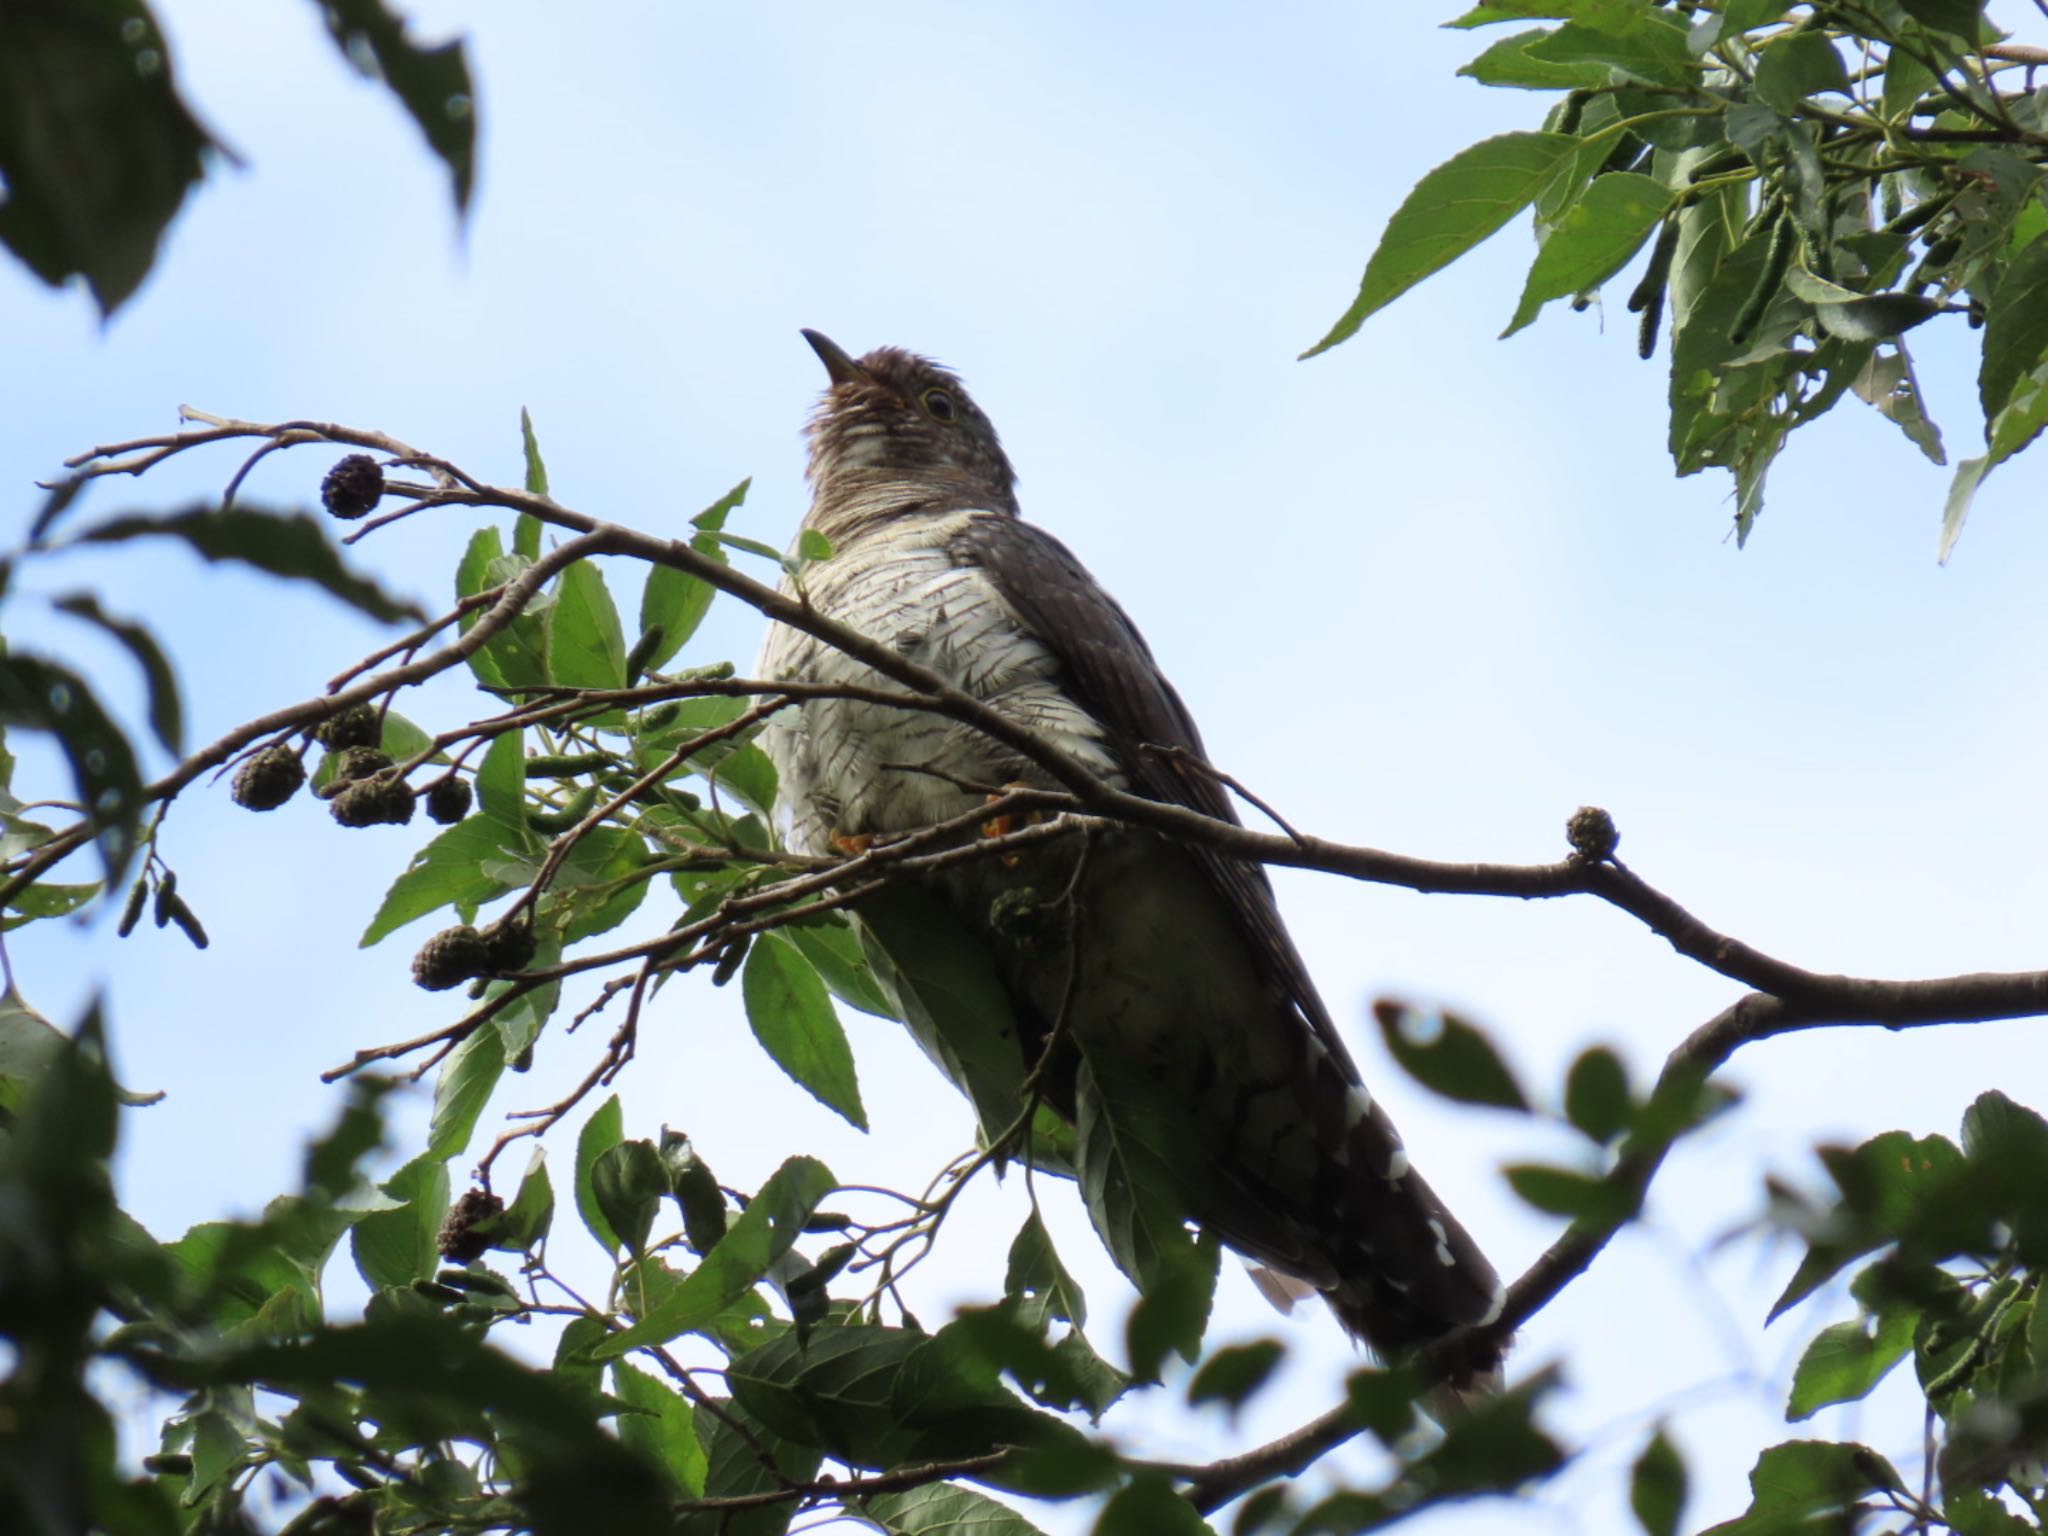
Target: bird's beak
[(843, 369)]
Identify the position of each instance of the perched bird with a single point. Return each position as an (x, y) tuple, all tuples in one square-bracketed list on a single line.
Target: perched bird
[(1182, 1037)]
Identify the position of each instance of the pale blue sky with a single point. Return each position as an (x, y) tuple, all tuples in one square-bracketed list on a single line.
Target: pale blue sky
[(1429, 592)]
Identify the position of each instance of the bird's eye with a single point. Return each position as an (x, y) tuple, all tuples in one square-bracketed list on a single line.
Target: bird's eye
[(940, 404)]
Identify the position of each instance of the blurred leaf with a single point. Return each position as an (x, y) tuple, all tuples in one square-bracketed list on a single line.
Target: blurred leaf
[(166, 710), (41, 695), (536, 466), (1890, 1186), (292, 545), (664, 1430), (1593, 241), (1148, 1506), (432, 84), (1568, 1192), (733, 1446), (792, 1017), (1596, 1094), (1657, 1486), (1802, 1479), (29, 1045), (1446, 1054), (1889, 383), (526, 1220), (97, 151), (627, 1181), (1451, 210), (1847, 1360), (1172, 1314), (773, 1220), (1959, 18), (585, 646), (1235, 1372), (603, 1130)]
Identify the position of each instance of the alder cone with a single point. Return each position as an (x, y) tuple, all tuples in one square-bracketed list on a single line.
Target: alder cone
[(268, 779), (451, 957)]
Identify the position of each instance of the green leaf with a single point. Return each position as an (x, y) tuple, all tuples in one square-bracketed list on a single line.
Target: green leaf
[(1568, 1192), (585, 646), (1657, 1486), (532, 1211), (1132, 1152), (513, 656), (459, 868), (536, 466), (692, 1186), (292, 545), (1596, 1094), (1173, 1311), (791, 1015), (1036, 1276), (432, 84), (2015, 328), (1797, 65), (1232, 1374), (733, 1447), (166, 711), (1802, 1479), (1593, 241), (1652, 49), (461, 1092), (1889, 383), (1879, 317), (30, 1045), (834, 950), (397, 1247), (944, 1509), (41, 695), (100, 150), (1961, 19), (773, 1220), (664, 1430), (603, 1130), (1148, 1506), (1846, 1360), (1449, 1056), (501, 790), (812, 545), (1451, 210), (627, 1181), (1508, 63)]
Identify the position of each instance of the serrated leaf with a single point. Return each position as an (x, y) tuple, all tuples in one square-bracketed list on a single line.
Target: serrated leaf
[(733, 1446), (1594, 240), (454, 870), (791, 1015), (462, 1090), (773, 1220), (166, 709), (1036, 1276), (604, 1129), (2015, 328), (1449, 1056), (431, 83), (292, 545), (1508, 63), (529, 447), (1846, 1360), (834, 950), (1653, 48), (1451, 210), (586, 648), (944, 1509)]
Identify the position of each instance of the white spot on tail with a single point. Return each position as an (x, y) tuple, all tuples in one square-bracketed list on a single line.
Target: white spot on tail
[(1397, 1166), (1496, 1306), (1357, 1108)]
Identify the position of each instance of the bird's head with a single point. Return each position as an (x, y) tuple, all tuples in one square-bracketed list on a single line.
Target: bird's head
[(895, 426)]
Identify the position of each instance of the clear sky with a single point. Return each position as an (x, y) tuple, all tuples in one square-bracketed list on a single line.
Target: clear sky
[(1429, 592)]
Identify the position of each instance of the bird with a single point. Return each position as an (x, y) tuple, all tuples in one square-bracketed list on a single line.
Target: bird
[(1142, 988)]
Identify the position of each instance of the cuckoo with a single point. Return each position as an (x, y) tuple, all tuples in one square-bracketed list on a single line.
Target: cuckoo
[(1149, 992)]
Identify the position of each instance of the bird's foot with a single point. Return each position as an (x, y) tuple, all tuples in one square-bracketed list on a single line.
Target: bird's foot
[(853, 843), (1013, 821)]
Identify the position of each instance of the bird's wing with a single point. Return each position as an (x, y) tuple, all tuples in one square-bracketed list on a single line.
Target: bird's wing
[(1113, 676)]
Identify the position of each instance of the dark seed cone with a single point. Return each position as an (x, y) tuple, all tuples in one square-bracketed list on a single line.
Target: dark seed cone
[(374, 802), (353, 487), (448, 800), (450, 958), (459, 1239), (511, 945), (1591, 833), (351, 765), (356, 726), (268, 779)]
